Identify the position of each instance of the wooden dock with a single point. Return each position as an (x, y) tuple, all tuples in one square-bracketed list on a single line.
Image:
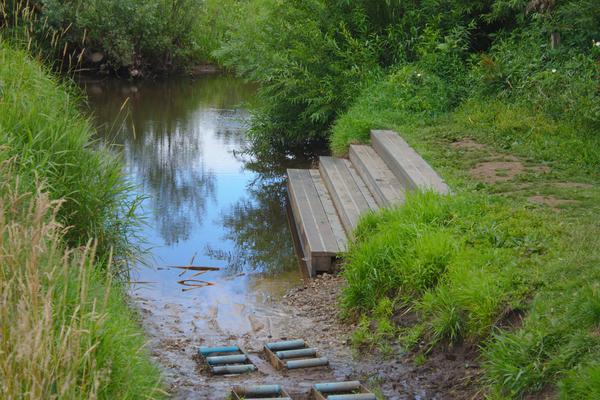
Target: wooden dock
[(327, 203)]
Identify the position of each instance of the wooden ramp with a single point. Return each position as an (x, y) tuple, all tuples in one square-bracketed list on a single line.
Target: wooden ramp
[(327, 203)]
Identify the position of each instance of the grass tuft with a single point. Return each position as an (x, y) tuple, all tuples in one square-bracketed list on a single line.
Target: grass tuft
[(65, 330)]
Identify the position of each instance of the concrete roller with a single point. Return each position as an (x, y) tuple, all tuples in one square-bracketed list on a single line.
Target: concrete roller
[(258, 390), (233, 369), (358, 396), (331, 387), (296, 353), (286, 345), (307, 363), (232, 359), (268, 398), (223, 349)]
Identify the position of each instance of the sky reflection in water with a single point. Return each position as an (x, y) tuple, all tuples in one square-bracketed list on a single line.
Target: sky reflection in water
[(180, 140)]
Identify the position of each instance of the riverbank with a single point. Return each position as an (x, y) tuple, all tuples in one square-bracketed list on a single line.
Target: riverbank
[(65, 216), (507, 275), (503, 101)]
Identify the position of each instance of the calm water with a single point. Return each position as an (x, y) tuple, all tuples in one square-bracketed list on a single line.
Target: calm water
[(204, 201)]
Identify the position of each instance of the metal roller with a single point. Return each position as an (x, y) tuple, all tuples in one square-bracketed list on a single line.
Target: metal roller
[(258, 390), (269, 398), (296, 353), (358, 396), (307, 363), (286, 345), (223, 349), (330, 387), (233, 369), (232, 359)]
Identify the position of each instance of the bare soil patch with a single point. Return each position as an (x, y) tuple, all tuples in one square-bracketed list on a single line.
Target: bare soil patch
[(551, 201), (468, 144), (497, 171)]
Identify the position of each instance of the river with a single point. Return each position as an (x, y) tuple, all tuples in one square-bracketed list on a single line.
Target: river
[(206, 203)]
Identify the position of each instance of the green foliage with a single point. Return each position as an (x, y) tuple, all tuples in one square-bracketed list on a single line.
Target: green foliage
[(457, 260), (142, 35), (406, 96), (43, 130), (216, 19), (561, 332), (582, 383), (307, 62), (66, 330), (377, 331), (312, 57)]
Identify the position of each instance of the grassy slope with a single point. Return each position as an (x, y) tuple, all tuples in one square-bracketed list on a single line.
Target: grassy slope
[(61, 309), (465, 264)]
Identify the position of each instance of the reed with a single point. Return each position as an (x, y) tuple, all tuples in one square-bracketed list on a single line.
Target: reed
[(58, 313)]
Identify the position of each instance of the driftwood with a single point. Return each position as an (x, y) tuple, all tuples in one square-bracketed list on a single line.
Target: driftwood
[(194, 284)]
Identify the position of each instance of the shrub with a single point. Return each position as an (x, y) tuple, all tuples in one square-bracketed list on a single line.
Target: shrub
[(137, 35)]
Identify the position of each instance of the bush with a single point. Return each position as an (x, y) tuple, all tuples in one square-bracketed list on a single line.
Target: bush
[(307, 62), (135, 35), (312, 58)]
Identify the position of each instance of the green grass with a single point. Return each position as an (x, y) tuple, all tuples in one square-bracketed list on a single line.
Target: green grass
[(65, 328), (460, 261), (41, 128), (466, 264)]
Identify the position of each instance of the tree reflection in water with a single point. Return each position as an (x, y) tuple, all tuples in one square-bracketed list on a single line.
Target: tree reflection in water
[(177, 138), (258, 225), (160, 127)]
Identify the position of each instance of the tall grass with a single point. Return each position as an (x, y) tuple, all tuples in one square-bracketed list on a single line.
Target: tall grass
[(65, 332), (41, 127), (457, 261)]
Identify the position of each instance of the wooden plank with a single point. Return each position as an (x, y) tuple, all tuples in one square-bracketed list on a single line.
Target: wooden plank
[(349, 200), (381, 181), (310, 216), (362, 186), (409, 167), (334, 220)]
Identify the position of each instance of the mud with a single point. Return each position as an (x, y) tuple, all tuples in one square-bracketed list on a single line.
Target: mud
[(307, 311), (446, 373)]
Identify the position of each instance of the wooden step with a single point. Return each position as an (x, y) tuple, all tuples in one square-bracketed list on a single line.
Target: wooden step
[(349, 193), (382, 182), (320, 231), (411, 170)]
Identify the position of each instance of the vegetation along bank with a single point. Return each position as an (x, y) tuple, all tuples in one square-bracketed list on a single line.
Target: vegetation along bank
[(65, 328), (503, 99)]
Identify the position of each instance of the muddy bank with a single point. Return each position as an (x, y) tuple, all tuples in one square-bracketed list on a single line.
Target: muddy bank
[(308, 311), (447, 373)]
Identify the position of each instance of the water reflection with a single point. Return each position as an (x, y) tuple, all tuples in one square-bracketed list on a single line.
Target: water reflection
[(263, 213), (181, 141)]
